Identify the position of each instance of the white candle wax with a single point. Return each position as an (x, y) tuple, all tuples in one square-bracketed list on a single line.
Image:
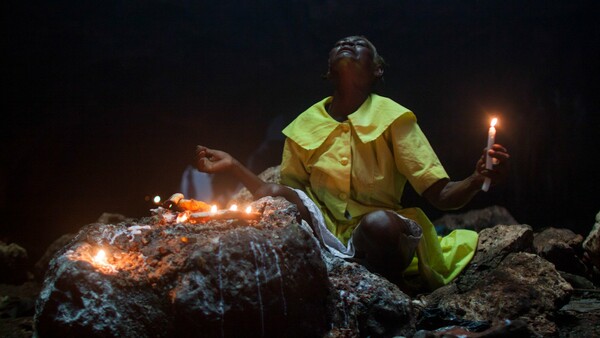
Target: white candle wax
[(488, 159)]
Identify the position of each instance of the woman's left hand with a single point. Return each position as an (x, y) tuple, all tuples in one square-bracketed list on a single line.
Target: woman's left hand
[(500, 168)]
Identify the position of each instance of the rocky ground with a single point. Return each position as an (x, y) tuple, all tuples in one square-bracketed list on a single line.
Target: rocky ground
[(520, 282)]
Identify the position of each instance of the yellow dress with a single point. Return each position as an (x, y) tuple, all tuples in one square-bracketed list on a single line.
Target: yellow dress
[(360, 165)]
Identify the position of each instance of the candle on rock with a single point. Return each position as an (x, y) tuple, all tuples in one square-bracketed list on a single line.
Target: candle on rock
[(100, 262), (488, 160), (231, 213)]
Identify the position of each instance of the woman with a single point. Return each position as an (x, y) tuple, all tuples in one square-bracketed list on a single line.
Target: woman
[(345, 162)]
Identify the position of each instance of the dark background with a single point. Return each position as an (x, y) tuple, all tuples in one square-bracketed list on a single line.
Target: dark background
[(104, 101)]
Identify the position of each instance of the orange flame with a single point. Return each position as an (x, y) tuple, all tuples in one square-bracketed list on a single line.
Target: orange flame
[(182, 217), (100, 258), (494, 121)]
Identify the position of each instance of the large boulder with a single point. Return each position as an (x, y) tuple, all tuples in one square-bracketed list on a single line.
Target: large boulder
[(506, 282), (166, 278)]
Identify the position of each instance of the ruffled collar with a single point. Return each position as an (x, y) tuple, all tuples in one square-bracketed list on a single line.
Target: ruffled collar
[(373, 117)]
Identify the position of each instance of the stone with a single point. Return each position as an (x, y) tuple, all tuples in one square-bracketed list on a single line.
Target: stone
[(494, 245), (13, 263), (365, 304), (476, 220), (227, 278), (41, 266), (505, 281), (562, 247), (523, 286)]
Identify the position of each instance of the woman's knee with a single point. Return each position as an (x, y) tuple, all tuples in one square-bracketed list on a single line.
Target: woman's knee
[(383, 224)]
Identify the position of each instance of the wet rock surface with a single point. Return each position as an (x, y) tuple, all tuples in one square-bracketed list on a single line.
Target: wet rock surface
[(162, 278), (366, 304)]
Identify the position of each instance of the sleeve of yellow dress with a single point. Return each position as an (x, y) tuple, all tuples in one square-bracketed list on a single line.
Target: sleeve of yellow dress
[(293, 172), (414, 156)]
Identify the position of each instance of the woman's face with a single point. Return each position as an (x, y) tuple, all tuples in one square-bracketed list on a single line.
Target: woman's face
[(353, 48), (357, 55)]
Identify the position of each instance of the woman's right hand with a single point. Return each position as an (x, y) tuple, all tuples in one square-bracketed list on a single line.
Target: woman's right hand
[(213, 161)]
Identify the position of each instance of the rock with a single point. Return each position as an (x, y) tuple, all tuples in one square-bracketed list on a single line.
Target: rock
[(13, 263), (476, 220), (17, 308), (494, 245), (112, 218), (227, 278), (580, 317), (523, 286), (505, 282), (365, 304), (562, 247), (591, 245), (41, 266)]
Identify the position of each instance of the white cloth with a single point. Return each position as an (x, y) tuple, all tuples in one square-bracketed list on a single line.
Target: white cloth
[(334, 245), (325, 237)]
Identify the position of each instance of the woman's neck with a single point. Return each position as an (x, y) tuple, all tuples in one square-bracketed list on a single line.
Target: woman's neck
[(346, 102)]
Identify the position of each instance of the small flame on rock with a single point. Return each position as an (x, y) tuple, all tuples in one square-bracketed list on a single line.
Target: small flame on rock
[(213, 209), (233, 207), (182, 217), (100, 258), (248, 209)]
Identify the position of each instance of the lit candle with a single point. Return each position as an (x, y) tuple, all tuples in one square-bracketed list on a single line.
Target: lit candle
[(231, 213), (182, 217), (488, 159)]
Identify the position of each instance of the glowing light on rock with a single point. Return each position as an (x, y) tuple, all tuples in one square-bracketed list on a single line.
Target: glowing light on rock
[(100, 258), (182, 217)]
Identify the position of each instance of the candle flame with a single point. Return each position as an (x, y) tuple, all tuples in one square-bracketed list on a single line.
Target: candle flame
[(182, 217), (233, 207), (213, 209), (100, 258), (494, 121), (156, 199), (248, 209)]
